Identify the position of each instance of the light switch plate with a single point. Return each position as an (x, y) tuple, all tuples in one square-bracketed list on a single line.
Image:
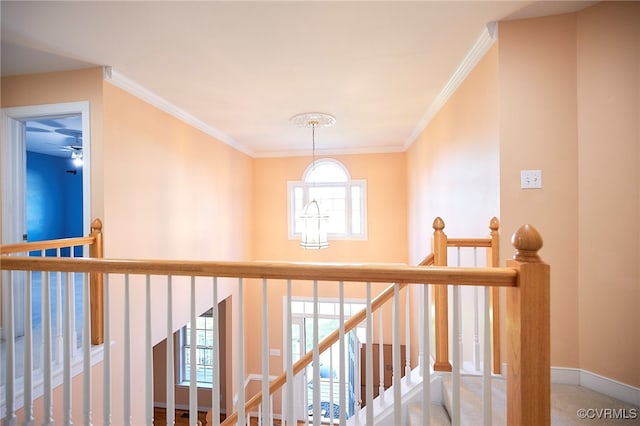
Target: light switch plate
[(530, 179)]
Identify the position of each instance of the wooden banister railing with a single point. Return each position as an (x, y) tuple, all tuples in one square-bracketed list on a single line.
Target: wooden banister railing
[(440, 244), (526, 280), (94, 241)]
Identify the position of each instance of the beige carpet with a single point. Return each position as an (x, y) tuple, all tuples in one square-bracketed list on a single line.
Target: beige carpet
[(568, 404)]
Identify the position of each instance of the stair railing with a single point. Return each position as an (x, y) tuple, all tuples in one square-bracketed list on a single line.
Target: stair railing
[(526, 280), (96, 250), (440, 245)]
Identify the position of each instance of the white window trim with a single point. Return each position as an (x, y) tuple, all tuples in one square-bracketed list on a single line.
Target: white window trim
[(361, 183), (183, 379)]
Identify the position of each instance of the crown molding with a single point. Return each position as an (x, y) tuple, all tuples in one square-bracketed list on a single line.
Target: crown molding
[(389, 149), (137, 90), (482, 45)]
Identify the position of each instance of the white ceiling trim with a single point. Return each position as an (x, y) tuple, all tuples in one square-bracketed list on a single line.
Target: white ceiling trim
[(488, 36), (325, 152), (128, 85)]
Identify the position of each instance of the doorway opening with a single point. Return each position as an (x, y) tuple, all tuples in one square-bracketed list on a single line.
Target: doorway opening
[(45, 195), (302, 324)]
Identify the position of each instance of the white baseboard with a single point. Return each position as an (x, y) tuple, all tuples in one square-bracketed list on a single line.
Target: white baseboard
[(593, 381), (596, 382)]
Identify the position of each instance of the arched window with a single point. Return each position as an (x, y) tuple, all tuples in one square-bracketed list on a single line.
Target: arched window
[(341, 198)]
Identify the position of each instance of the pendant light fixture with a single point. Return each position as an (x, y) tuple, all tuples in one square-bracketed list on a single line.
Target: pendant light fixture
[(314, 222)]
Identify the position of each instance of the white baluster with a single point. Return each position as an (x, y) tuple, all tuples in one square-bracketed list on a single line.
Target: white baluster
[(215, 386), (86, 349), (331, 402), (381, 357), (106, 362), (170, 373), (241, 412), (68, 349), (47, 358), (455, 354), (407, 338), (271, 411), (289, 385), (126, 373), (72, 314), (458, 335), (316, 358), (59, 344), (486, 376), (193, 359), (28, 353), (476, 319), (369, 358), (343, 354), (426, 342), (265, 354), (397, 372), (148, 350), (8, 309)]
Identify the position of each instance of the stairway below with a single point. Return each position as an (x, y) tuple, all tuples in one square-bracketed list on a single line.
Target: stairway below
[(439, 416)]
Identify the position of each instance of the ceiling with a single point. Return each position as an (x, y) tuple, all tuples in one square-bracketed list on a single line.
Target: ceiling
[(240, 70)]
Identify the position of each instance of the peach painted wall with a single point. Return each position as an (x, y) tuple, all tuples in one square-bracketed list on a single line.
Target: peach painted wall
[(387, 239), (386, 203), (608, 82), (569, 106), (171, 192), (453, 168), (538, 130)]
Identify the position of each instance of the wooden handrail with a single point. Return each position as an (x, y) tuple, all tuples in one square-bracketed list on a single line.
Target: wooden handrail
[(46, 245), (94, 241), (323, 345), (468, 242), (499, 277)]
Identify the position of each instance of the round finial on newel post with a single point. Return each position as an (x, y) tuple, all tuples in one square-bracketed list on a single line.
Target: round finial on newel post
[(96, 225), (438, 224), (527, 242)]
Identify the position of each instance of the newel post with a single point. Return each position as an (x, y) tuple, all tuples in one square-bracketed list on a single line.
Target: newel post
[(493, 260), (95, 282), (441, 299), (528, 334)]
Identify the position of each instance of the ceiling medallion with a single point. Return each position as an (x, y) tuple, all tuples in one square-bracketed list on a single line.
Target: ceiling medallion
[(313, 119)]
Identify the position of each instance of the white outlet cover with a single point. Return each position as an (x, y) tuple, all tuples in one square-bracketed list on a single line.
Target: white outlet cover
[(530, 179)]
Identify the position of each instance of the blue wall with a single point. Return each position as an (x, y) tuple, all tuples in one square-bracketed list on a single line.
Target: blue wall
[(54, 198)]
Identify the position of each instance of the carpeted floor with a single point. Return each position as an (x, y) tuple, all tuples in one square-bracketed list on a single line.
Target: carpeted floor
[(570, 405)]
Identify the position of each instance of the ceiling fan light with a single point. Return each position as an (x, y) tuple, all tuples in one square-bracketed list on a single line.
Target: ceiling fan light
[(76, 159)]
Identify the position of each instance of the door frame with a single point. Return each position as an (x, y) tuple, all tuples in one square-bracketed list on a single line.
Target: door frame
[(13, 167), (13, 164)]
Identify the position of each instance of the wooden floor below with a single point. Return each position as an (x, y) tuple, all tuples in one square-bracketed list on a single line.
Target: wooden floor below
[(182, 417)]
